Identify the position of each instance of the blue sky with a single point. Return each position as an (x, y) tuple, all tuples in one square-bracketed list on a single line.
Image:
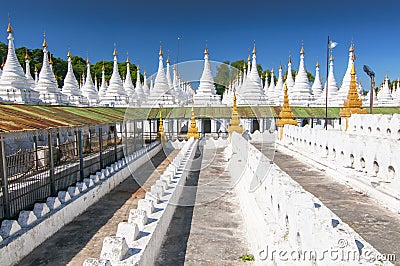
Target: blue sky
[(230, 27)]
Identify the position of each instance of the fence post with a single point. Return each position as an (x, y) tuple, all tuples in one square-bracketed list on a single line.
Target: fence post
[(101, 146), (80, 150), (126, 137), (35, 151), (115, 143), (53, 189), (143, 140), (134, 135), (3, 175)]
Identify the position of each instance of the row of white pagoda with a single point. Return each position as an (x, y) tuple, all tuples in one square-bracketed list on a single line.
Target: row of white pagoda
[(18, 86), (251, 90)]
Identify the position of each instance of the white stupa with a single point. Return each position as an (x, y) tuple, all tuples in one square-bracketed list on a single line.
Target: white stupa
[(141, 96), (289, 78), (278, 92), (115, 93), (161, 93), (128, 84), (103, 86), (317, 85), (47, 85), (28, 75), (384, 97), (333, 99), (146, 88), (71, 86), (252, 91), (301, 92), (206, 94), (271, 87), (88, 89), (14, 86), (266, 85)]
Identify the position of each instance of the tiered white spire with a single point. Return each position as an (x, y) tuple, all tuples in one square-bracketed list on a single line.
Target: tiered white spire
[(146, 88), (279, 88), (289, 78), (205, 94), (384, 96), (252, 91), (115, 93), (128, 85), (332, 86), (47, 85), (28, 70), (88, 89), (266, 85), (14, 86), (161, 93), (301, 91), (140, 94), (271, 87), (71, 86), (103, 86), (317, 85)]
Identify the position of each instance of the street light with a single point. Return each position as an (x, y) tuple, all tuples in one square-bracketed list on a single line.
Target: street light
[(371, 74)]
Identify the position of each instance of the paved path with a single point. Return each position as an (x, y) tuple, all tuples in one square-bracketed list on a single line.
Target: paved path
[(377, 225), (83, 237), (212, 232)]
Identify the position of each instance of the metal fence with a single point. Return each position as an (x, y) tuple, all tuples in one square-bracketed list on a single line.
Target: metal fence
[(37, 164)]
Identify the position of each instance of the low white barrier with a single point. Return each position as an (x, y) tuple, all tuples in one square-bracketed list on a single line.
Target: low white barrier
[(20, 237), (282, 218), (137, 242)]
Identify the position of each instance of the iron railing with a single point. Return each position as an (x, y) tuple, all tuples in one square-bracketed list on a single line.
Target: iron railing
[(38, 164)]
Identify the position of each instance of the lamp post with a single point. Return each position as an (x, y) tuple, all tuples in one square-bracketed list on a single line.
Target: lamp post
[(371, 74)]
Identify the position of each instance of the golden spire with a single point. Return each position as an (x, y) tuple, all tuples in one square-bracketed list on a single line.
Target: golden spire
[(254, 49), (331, 58), (244, 65), (302, 48), (353, 103), (290, 59), (44, 40), (317, 64), (102, 67), (138, 67), (192, 131), (248, 58), (9, 28), (234, 124), (280, 66), (69, 53), (51, 59), (145, 73), (36, 69), (351, 49), (88, 60), (160, 53), (26, 55), (168, 60), (128, 61), (115, 50)]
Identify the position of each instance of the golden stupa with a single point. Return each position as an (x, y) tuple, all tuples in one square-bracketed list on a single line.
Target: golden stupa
[(160, 134), (286, 115), (192, 131), (234, 124), (353, 103)]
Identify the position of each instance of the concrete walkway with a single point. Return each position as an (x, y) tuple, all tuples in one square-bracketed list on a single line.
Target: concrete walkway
[(377, 225), (83, 237), (213, 231)]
